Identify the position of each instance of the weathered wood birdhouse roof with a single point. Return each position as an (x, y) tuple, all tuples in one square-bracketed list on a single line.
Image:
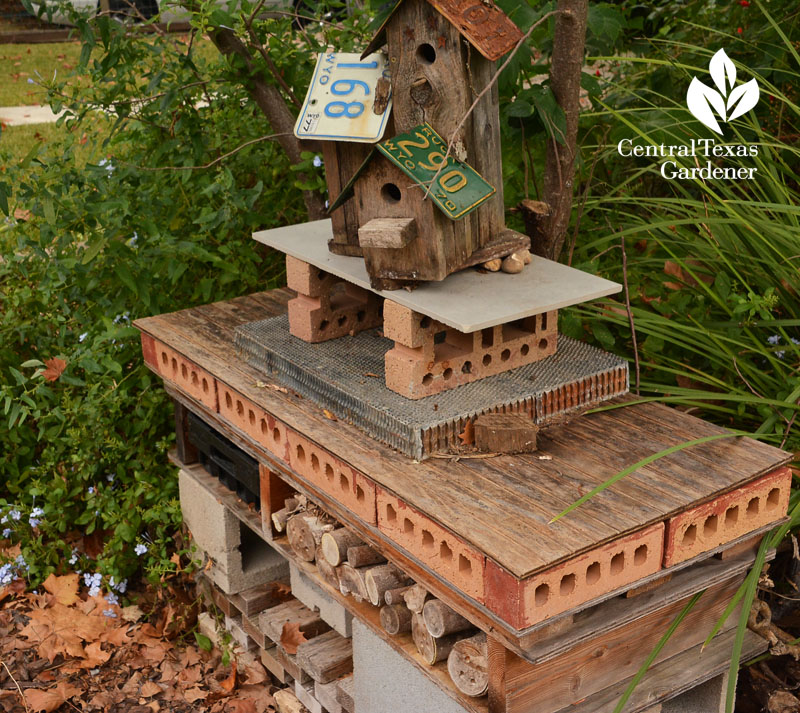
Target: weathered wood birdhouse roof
[(481, 22)]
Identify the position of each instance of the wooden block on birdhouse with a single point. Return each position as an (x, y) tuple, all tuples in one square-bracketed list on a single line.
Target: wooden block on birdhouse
[(505, 433), (387, 232)]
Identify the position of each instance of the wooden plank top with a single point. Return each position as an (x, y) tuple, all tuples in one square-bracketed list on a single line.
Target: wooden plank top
[(501, 505)]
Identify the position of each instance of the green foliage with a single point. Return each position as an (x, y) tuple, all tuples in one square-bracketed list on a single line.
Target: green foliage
[(148, 212)]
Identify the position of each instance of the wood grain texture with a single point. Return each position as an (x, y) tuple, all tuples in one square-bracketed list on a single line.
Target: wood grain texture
[(502, 505), (594, 664)]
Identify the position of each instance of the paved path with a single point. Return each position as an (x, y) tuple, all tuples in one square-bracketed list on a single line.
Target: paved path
[(19, 115)]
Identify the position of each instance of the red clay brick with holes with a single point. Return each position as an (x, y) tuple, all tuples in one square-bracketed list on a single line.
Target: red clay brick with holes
[(324, 470), (429, 357), (447, 555), (728, 517), (327, 307), (264, 428), (523, 603), (184, 374), (332, 476)]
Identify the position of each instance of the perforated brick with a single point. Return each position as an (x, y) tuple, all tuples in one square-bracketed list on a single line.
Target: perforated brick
[(727, 517), (333, 476), (447, 555), (429, 357), (186, 375), (261, 426), (327, 307), (526, 602), (324, 470)]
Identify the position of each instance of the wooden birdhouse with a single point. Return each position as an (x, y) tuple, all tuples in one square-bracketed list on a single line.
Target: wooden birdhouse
[(441, 57)]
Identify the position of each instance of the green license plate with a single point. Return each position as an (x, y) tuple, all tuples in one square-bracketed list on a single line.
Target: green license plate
[(458, 189)]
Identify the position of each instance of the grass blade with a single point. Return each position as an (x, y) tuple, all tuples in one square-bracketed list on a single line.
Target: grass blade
[(656, 651), (644, 461)]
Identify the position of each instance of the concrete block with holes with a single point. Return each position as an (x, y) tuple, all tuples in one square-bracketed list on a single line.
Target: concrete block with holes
[(315, 598), (578, 580), (326, 306), (429, 357), (448, 555), (708, 697), (241, 559), (727, 517)]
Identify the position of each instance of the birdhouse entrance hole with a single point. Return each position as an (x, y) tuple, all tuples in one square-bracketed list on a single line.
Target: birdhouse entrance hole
[(391, 193), (426, 54)]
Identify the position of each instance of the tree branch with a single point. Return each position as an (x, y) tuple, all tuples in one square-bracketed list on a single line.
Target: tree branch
[(272, 104)]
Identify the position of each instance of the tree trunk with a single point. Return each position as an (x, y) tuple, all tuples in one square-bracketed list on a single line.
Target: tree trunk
[(566, 63), (269, 100)]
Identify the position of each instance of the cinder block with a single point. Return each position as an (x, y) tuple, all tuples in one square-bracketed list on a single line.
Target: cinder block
[(239, 636), (186, 375), (447, 555), (728, 517), (384, 680), (214, 528), (526, 602), (207, 626), (332, 476), (330, 611), (327, 307), (305, 694), (429, 357), (326, 693), (241, 558), (708, 697)]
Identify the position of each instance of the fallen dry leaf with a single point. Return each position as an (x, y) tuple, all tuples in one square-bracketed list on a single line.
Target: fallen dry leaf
[(241, 705), (22, 214), (467, 436), (132, 613), (150, 688), (64, 589), (49, 699), (292, 637), (54, 368), (229, 683), (195, 694)]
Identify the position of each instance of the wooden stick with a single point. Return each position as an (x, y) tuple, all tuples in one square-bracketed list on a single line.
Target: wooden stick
[(415, 597), (440, 619), (327, 572), (305, 533), (395, 596), (279, 517), (363, 555), (382, 578), (431, 649), (396, 618), (336, 543), (353, 580), (468, 665)]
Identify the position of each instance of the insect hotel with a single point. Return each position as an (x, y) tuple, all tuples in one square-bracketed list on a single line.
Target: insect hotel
[(373, 474)]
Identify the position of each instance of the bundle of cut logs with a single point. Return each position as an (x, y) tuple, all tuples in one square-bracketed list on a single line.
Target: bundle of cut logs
[(352, 567)]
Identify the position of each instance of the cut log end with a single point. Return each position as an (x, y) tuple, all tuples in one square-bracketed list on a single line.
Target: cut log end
[(468, 665)]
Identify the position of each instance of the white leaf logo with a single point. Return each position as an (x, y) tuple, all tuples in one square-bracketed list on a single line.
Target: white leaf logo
[(730, 102)]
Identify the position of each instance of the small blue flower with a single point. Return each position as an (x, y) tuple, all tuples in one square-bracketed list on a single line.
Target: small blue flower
[(110, 477), (109, 613), (794, 340), (140, 549), (15, 514), (35, 517), (30, 81), (7, 533), (74, 558), (3, 520), (90, 490), (83, 336), (21, 563), (112, 598), (317, 161), (774, 339), (107, 164), (122, 586)]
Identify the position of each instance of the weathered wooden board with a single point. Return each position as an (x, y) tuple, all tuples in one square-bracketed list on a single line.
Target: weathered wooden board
[(501, 505), (594, 664)]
